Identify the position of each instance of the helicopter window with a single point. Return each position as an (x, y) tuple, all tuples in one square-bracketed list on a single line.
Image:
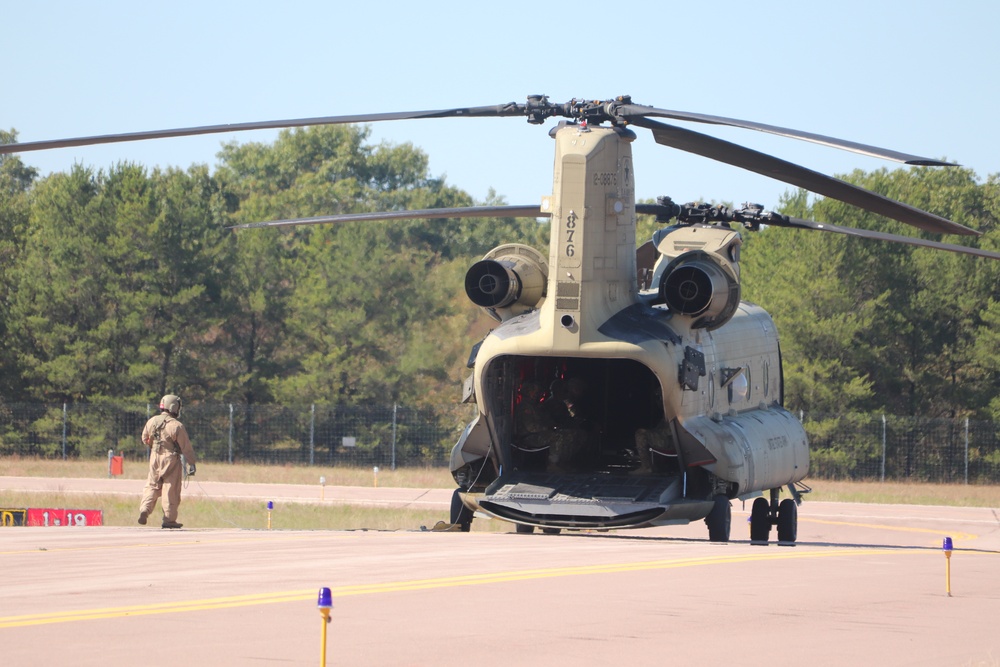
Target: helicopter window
[(766, 378), (739, 388)]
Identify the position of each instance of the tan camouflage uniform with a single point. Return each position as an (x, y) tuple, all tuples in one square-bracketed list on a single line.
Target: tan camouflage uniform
[(647, 440), (167, 439), (532, 426), (569, 440)]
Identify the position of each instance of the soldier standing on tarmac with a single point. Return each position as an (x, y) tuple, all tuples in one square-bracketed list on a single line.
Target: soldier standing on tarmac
[(167, 440)]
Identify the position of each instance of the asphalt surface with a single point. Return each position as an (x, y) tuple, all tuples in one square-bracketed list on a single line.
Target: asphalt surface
[(866, 584)]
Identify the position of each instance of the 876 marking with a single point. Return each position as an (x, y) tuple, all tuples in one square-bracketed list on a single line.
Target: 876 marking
[(570, 232)]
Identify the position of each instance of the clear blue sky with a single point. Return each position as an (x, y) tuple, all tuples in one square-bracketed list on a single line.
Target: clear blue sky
[(917, 76)]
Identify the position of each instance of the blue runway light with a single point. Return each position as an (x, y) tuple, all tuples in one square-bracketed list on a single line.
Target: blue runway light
[(947, 544), (324, 600), (270, 505)]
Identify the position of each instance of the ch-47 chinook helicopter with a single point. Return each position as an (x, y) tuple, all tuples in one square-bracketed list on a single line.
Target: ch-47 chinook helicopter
[(624, 389)]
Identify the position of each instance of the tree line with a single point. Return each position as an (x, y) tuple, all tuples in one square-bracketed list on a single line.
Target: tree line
[(124, 283)]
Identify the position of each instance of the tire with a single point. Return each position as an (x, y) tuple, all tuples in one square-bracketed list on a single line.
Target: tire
[(460, 514), (523, 529), (788, 521), (760, 521), (551, 531), (719, 520)]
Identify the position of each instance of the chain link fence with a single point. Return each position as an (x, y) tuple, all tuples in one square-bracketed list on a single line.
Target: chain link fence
[(852, 446), (917, 449), (388, 436)]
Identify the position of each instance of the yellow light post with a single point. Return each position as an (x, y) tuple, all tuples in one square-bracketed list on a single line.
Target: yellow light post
[(324, 602), (947, 546)]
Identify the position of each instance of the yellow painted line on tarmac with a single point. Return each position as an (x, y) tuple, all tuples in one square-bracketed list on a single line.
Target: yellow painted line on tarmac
[(418, 584), (150, 609), (903, 529), (274, 536)]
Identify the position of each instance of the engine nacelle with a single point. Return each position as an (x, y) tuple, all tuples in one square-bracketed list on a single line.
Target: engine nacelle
[(701, 285), (509, 281)]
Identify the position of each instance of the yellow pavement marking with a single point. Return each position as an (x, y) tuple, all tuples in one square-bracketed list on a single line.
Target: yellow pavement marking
[(274, 536), (418, 584), (904, 529)]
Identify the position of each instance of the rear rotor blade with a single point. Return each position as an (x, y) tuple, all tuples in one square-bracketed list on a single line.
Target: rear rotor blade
[(513, 211), (630, 111), (476, 112), (799, 223), (772, 167), (460, 212)]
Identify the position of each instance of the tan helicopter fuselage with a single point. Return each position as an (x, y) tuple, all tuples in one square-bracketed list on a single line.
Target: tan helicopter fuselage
[(706, 380)]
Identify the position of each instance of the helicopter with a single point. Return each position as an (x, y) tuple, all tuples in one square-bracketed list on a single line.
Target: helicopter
[(624, 387)]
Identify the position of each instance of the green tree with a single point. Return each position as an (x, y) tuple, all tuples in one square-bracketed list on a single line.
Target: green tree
[(872, 326), (324, 313), (187, 259), (16, 180), (988, 355), (116, 282), (796, 276)]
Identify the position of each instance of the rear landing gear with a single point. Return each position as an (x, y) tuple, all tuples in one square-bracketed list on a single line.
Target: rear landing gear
[(760, 521), (719, 520), (788, 522), (764, 514)]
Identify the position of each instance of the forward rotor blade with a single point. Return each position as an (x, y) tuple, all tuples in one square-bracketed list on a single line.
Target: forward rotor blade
[(487, 111), (799, 223), (630, 111), (793, 174), (505, 211)]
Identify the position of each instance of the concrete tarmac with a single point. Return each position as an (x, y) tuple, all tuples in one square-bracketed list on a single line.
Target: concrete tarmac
[(865, 585)]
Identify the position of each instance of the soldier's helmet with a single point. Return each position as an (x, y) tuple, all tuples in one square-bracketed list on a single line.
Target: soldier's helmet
[(171, 404)]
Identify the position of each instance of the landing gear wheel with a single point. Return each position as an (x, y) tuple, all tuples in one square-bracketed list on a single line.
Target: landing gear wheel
[(551, 531), (760, 521), (788, 522), (460, 514), (526, 530), (719, 520)]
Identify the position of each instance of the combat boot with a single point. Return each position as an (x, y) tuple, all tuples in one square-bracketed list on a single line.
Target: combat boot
[(142, 518), (171, 524)]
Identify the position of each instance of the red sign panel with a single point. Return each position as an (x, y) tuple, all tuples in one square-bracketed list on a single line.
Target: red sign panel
[(60, 517)]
